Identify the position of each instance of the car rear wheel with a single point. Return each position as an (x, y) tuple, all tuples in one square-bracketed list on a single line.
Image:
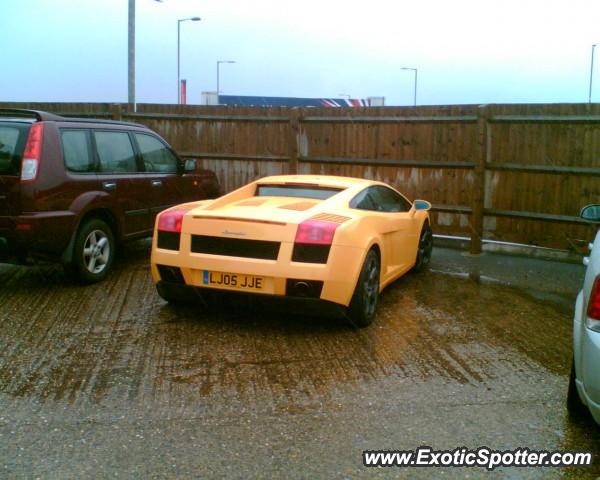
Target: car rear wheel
[(424, 249), (575, 406), (366, 294), (93, 252)]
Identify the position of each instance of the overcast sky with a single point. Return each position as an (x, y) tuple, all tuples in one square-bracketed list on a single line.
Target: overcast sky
[(479, 51)]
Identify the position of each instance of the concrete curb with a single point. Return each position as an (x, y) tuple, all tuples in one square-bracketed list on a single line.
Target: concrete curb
[(508, 248)]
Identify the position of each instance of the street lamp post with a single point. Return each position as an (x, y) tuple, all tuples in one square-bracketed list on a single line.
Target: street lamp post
[(193, 19), (219, 62), (131, 52), (414, 70), (591, 73)]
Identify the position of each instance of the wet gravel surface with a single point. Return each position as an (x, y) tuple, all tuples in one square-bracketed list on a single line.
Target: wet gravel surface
[(110, 381)]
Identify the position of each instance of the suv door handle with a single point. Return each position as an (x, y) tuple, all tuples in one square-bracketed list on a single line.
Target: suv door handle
[(157, 183), (109, 185)]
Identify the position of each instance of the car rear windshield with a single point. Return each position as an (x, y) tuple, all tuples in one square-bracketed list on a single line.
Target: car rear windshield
[(297, 191), (12, 143)]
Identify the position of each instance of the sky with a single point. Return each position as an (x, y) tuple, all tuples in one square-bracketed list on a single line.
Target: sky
[(466, 51)]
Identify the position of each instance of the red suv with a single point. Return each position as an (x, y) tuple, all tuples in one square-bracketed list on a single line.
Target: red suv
[(71, 189)]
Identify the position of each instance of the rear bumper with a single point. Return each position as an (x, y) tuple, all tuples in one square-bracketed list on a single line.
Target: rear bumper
[(586, 348), (590, 373), (307, 306), (339, 274), (42, 235)]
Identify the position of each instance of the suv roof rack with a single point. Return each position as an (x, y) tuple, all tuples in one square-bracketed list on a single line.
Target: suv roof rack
[(25, 113), (100, 121), (41, 116)]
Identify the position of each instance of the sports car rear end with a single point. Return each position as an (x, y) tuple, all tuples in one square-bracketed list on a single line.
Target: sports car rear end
[(265, 244)]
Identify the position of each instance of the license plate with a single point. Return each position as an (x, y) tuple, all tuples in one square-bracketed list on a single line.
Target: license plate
[(233, 281)]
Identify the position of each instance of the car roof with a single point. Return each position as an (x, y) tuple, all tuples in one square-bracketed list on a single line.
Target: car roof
[(317, 180), (30, 116)]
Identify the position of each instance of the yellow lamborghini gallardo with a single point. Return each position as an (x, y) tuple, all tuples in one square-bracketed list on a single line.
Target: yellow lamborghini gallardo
[(333, 239)]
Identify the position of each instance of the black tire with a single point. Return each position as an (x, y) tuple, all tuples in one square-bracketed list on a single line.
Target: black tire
[(424, 248), (363, 305), (575, 406), (93, 252)]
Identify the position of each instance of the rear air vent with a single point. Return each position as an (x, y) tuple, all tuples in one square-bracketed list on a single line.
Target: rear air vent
[(331, 217), (250, 203), (235, 247), (308, 253), (168, 240), (300, 206)]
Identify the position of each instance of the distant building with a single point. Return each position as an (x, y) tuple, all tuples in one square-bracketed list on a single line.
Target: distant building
[(211, 98)]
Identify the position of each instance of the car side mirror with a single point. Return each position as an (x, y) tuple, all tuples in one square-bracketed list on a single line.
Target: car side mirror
[(189, 166), (591, 213), (421, 205)]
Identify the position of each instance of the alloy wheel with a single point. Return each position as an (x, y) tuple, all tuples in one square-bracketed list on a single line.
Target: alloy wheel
[(96, 251)]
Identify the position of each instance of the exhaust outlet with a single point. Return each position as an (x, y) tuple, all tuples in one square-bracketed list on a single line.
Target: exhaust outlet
[(302, 289), (296, 287)]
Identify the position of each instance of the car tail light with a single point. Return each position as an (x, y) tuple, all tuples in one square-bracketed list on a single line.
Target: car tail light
[(32, 153), (313, 241), (171, 220), (593, 310), (315, 232)]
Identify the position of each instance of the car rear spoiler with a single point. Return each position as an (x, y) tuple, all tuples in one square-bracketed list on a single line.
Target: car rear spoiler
[(39, 115)]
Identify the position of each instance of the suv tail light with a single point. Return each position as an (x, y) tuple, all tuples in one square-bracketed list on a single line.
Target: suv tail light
[(313, 241), (32, 153), (170, 221)]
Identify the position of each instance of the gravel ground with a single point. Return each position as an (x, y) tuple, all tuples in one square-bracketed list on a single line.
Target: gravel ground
[(110, 381)]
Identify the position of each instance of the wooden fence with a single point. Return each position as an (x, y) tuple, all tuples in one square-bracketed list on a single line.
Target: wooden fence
[(516, 173)]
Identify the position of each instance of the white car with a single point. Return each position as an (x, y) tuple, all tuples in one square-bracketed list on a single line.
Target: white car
[(584, 384)]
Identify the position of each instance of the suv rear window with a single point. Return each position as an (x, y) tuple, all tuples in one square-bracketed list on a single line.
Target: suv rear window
[(298, 191), (12, 143)]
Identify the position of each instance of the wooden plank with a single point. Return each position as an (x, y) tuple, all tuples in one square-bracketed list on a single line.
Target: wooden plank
[(389, 119), (234, 156), (388, 163), (86, 114), (293, 142), (117, 112), (546, 118), (515, 167), (478, 192), (452, 209), (206, 118), (547, 217)]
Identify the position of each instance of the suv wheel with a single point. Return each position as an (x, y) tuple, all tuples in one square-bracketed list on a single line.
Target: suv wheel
[(93, 251)]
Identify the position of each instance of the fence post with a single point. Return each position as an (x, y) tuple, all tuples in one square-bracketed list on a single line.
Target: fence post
[(478, 195), (116, 111), (294, 129)]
